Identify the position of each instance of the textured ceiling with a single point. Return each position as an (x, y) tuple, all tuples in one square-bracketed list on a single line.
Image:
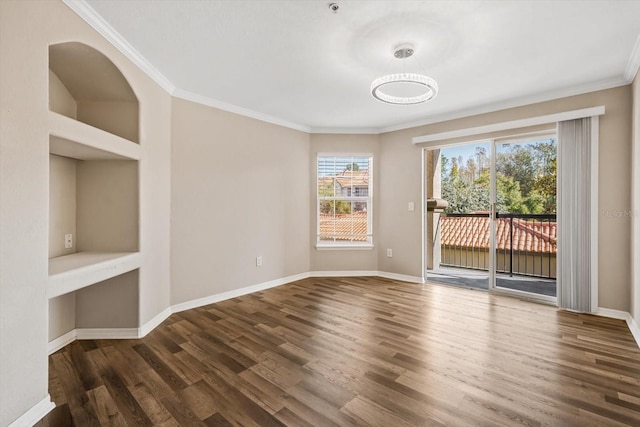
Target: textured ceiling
[(296, 62)]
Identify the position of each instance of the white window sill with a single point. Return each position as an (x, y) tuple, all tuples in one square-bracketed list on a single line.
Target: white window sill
[(344, 247)]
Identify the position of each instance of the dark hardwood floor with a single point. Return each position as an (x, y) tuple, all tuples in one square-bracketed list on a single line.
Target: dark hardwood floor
[(357, 351)]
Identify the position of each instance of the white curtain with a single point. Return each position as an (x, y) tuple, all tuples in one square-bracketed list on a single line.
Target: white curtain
[(575, 215)]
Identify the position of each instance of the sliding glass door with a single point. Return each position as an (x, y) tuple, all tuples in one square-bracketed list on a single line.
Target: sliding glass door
[(458, 225), (525, 232), (490, 219)]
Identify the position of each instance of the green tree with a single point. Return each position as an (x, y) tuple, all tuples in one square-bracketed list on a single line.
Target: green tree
[(510, 196), (546, 186), (326, 189)]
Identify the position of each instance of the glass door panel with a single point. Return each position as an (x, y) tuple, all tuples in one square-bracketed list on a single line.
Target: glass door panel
[(525, 228), (458, 234)]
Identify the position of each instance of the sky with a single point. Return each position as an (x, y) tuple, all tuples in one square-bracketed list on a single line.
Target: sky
[(469, 150), (465, 151)]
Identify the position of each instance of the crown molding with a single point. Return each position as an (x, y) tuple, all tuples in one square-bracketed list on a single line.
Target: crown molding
[(634, 63), (88, 14), (513, 124), (345, 131), (205, 100), (91, 17), (513, 103)]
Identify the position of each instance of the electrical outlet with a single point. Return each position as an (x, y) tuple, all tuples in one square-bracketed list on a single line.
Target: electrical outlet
[(389, 253), (259, 261), (68, 241)]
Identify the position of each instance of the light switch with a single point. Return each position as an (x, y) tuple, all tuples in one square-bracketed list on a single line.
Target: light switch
[(412, 207)]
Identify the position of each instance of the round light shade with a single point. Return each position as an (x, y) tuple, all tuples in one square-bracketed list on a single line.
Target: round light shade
[(427, 84)]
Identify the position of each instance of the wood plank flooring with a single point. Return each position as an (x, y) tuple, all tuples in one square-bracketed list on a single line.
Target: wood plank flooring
[(358, 352)]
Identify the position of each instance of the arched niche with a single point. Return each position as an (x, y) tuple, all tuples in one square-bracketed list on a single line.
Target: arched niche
[(86, 86)]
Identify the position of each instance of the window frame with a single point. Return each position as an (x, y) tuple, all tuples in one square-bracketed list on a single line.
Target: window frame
[(342, 245)]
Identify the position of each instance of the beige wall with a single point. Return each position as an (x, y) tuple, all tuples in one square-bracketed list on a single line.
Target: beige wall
[(62, 315), (60, 100), (239, 190), (400, 183), (119, 118), (635, 309), (342, 260), (26, 31), (107, 206), (62, 204)]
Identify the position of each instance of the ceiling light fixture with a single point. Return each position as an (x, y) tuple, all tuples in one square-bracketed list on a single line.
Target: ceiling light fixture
[(401, 88)]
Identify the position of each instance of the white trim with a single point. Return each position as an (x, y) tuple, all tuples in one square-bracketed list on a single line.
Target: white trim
[(220, 105), (345, 131), (153, 323), (106, 333), (342, 154), (60, 342), (493, 189), (35, 414), (634, 63), (595, 129), (367, 273), (344, 247), (613, 314), (513, 124), (345, 273), (634, 328), (423, 212), (525, 295), (91, 17), (401, 277), (622, 315), (509, 104), (187, 305)]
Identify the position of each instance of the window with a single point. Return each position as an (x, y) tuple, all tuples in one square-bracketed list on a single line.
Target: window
[(344, 200)]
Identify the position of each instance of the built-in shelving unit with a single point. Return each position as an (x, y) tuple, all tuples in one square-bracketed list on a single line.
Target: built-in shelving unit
[(94, 192)]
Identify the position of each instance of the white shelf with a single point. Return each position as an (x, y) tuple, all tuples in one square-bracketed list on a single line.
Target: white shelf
[(71, 138), (76, 271)]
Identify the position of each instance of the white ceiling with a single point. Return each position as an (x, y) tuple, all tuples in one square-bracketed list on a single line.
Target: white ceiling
[(294, 62)]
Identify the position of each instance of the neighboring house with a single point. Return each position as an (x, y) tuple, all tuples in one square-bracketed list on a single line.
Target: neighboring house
[(465, 243), (352, 184)]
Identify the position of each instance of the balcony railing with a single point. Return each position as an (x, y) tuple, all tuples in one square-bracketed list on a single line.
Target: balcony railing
[(525, 243)]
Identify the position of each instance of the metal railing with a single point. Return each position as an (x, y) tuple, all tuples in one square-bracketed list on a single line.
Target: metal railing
[(525, 243)]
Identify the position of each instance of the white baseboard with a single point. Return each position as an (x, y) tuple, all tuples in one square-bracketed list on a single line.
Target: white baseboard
[(35, 414), (622, 315), (635, 329), (401, 277), (235, 293), (61, 341), (614, 314), (106, 333), (153, 323), (347, 273)]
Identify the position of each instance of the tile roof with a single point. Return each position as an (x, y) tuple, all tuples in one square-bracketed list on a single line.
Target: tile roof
[(468, 232), (342, 224)]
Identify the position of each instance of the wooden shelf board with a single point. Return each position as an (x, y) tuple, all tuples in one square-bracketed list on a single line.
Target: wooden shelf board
[(71, 138), (76, 271)]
